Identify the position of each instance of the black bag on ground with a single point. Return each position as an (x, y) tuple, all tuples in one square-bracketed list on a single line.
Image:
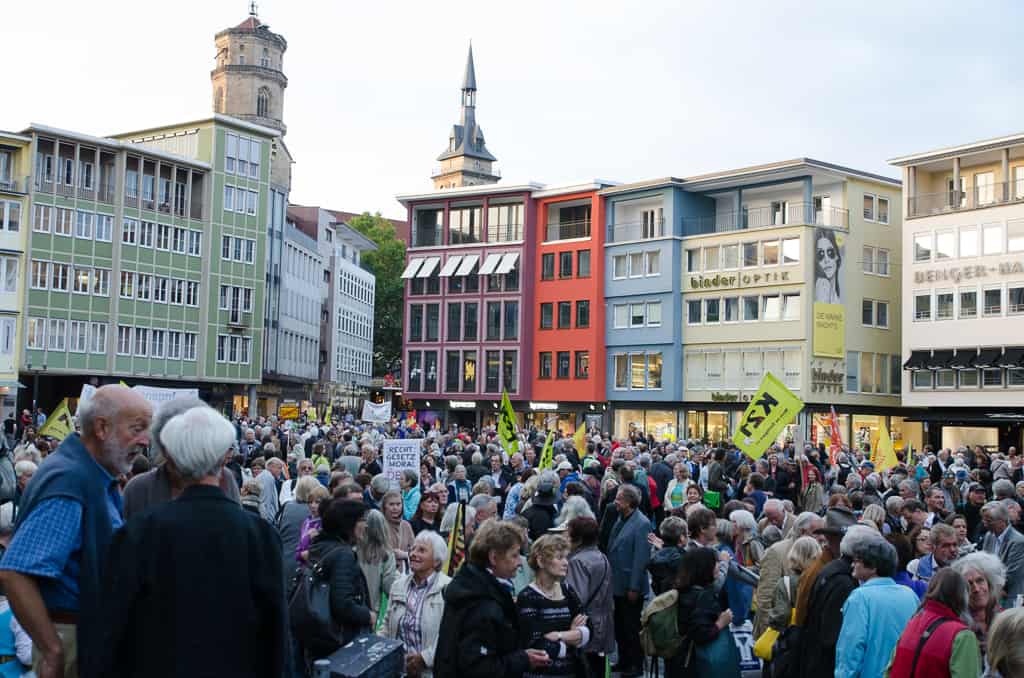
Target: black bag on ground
[(369, 656)]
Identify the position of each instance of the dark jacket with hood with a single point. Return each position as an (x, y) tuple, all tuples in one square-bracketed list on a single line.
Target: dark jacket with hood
[(664, 567), (831, 588), (479, 629)]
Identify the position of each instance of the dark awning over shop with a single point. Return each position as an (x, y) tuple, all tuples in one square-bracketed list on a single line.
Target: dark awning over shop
[(1014, 357), (964, 359), (988, 357), (940, 360), (918, 361)]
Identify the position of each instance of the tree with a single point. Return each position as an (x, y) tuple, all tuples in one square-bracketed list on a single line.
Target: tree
[(386, 264)]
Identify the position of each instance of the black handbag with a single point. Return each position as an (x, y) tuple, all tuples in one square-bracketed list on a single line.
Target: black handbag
[(309, 606)]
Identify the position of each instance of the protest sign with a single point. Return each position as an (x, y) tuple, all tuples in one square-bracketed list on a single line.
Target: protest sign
[(400, 455), (379, 414)]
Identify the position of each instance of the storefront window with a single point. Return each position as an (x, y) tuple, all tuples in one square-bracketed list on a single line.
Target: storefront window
[(718, 426), (661, 424), (865, 431), (694, 424), (627, 421), (554, 421), (906, 433)]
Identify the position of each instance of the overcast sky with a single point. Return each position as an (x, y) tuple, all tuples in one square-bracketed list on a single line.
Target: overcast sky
[(567, 90)]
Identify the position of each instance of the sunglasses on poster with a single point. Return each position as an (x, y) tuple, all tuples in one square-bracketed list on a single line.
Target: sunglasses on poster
[(829, 252)]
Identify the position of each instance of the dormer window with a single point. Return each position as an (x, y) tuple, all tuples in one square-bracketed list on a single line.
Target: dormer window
[(265, 59)]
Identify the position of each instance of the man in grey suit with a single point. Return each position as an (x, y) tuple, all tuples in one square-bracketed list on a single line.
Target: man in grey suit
[(1007, 543), (628, 554)]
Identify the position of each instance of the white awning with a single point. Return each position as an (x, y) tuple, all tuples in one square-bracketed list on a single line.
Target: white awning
[(428, 267), (468, 262), (450, 265), (411, 268), (508, 262), (490, 264)]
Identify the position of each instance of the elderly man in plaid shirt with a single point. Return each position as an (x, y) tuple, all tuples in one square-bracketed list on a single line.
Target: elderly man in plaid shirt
[(51, 571)]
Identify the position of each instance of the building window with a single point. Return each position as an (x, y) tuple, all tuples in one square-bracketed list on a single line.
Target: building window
[(772, 307), (493, 367), (992, 299), (263, 98), (944, 304), (637, 315), (547, 266), (469, 320), (493, 320), (433, 322), (791, 251), (636, 265), (620, 316), (469, 371), (875, 313), (511, 320), (505, 223), (547, 315), (654, 314), (620, 267), (454, 321), (852, 379), (770, 252), (583, 313), (992, 238), (582, 365), (693, 260), (622, 371), (923, 306), (693, 308), (653, 263), (464, 226), (510, 371), (544, 365), (791, 306), (751, 308), (564, 315), (968, 303), (711, 258), (563, 365), (583, 263), (565, 264)]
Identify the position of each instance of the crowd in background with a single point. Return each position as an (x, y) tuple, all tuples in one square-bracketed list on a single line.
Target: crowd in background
[(136, 544)]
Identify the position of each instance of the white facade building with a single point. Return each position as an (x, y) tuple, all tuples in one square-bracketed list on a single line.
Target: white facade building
[(963, 287)]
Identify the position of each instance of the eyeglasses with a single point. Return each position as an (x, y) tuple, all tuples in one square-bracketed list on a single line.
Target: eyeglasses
[(829, 252)]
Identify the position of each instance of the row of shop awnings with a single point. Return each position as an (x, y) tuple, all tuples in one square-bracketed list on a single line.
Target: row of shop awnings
[(459, 265), (966, 359)]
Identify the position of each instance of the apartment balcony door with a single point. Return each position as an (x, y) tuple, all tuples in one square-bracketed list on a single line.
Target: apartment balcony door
[(823, 210)]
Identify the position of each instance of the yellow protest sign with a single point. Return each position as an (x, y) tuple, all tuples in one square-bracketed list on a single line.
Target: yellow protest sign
[(58, 425), (884, 456), (507, 426), (288, 411), (771, 408), (327, 413), (829, 333), (311, 414), (547, 455)]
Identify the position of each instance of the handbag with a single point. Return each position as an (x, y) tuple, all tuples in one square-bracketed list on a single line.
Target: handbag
[(719, 658), (763, 646), (309, 607)]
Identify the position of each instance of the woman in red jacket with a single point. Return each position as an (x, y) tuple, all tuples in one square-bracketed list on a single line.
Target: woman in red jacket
[(936, 643)]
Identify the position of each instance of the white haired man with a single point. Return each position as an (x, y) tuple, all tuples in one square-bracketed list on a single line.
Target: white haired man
[(182, 572), (69, 513), (268, 479), (1007, 543)]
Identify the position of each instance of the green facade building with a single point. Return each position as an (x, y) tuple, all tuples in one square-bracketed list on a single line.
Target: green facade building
[(146, 259)]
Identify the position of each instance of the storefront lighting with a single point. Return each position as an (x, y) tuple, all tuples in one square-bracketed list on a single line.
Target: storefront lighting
[(428, 403), (462, 404), (592, 408), (549, 407)]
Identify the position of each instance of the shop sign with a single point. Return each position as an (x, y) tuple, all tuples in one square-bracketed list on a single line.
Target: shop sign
[(549, 407), (722, 280), (717, 397), (462, 404), (827, 381), (958, 273)]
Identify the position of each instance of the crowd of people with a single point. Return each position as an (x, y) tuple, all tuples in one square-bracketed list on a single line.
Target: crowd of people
[(182, 543)]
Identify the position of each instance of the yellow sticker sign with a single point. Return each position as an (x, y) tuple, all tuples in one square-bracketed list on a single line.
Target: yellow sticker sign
[(288, 411), (771, 408)]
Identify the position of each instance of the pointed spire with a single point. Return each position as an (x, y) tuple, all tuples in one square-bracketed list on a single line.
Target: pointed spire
[(469, 80)]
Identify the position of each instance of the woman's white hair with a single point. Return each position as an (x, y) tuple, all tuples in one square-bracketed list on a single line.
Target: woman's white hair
[(196, 442), (437, 545), (990, 567), (574, 507), (24, 466), (855, 537), (303, 486), (744, 520), (448, 521)]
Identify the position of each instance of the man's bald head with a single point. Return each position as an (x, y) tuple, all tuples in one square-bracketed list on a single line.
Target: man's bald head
[(115, 426)]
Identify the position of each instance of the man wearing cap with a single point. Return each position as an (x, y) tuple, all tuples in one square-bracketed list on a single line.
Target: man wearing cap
[(541, 512), (825, 595), (950, 492), (566, 475)]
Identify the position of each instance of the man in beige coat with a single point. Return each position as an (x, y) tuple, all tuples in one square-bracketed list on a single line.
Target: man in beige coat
[(773, 567)]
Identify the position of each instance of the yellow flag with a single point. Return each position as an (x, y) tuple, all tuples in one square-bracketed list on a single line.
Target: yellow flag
[(771, 408), (327, 414), (580, 441), (884, 456), (507, 426), (456, 542), (311, 414), (58, 425), (123, 384), (547, 455)]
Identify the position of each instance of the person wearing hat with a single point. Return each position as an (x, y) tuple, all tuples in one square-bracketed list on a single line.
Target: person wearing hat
[(824, 587), (566, 474), (541, 512), (950, 492)]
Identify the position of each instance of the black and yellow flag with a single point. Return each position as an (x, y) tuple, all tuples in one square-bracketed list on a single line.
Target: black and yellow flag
[(507, 426), (457, 542), (58, 425)]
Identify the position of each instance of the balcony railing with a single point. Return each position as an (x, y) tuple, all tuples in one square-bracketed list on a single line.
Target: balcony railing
[(196, 210), (638, 230), (67, 190), (791, 214), (974, 197), (131, 200), (567, 230), (14, 184), (504, 232), (44, 184), (426, 238), (105, 193)]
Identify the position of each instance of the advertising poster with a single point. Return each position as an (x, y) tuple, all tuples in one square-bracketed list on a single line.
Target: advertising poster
[(829, 313)]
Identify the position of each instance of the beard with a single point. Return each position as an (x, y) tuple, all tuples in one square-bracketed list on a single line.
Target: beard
[(117, 459)]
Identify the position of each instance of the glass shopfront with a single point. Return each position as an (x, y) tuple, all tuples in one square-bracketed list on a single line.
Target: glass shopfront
[(695, 425), (906, 433), (661, 424), (718, 427), (627, 421), (553, 421)]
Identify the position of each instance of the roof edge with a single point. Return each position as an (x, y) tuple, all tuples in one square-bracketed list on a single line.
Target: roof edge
[(942, 153)]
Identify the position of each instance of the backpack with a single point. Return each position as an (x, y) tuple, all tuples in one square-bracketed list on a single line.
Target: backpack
[(659, 628), (8, 479), (309, 606)]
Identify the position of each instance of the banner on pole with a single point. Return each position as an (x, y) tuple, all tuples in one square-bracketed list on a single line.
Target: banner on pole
[(770, 410), (58, 424), (378, 414), (507, 426)]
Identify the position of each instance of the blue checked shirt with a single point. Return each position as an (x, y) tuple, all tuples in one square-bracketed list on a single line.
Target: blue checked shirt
[(48, 545)]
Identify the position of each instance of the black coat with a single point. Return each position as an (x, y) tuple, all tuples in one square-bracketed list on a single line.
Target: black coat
[(830, 590), (664, 566), (662, 474), (479, 629), (541, 518), (696, 616), (350, 596), (182, 573)]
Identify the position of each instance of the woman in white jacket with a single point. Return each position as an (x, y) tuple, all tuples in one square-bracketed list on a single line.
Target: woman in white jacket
[(675, 493), (416, 604)]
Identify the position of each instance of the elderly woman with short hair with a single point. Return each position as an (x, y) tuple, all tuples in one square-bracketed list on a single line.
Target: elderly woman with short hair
[(985, 575), (164, 605), (749, 550), (416, 603)]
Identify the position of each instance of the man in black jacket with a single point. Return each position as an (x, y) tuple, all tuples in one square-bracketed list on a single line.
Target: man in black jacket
[(182, 572), (479, 636)]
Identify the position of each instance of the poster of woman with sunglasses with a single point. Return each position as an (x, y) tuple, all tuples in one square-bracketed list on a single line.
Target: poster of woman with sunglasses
[(828, 267)]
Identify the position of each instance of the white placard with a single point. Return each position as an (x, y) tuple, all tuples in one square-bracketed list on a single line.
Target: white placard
[(153, 394), (380, 414), (400, 455)]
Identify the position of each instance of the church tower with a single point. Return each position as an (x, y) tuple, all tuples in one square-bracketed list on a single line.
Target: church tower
[(466, 161), (248, 81)]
